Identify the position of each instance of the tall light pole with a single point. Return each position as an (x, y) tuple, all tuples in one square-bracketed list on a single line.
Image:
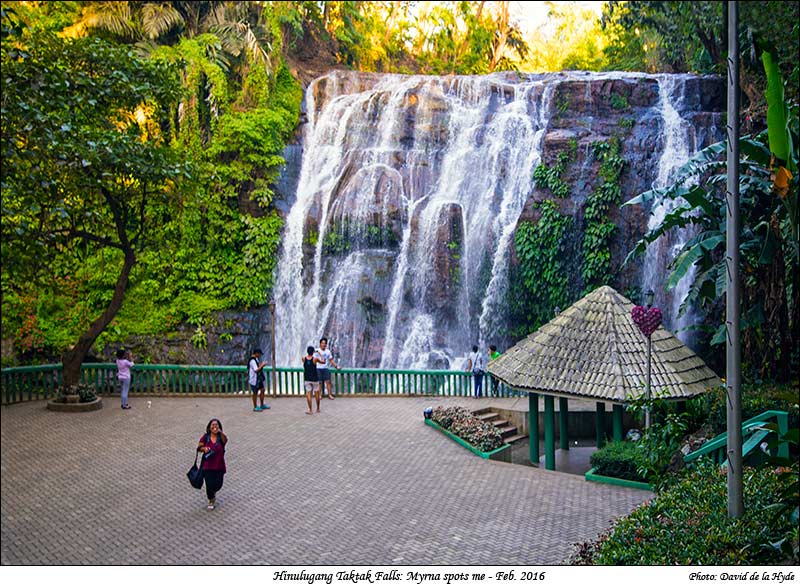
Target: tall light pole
[(271, 305), (648, 300), (733, 367)]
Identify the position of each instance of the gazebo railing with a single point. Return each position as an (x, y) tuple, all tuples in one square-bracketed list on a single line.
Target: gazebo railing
[(41, 382)]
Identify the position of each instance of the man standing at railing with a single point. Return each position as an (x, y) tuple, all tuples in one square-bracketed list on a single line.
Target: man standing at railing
[(326, 360), (476, 365), (257, 380)]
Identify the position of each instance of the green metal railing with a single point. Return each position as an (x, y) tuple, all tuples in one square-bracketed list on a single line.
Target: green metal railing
[(753, 433), (40, 382)]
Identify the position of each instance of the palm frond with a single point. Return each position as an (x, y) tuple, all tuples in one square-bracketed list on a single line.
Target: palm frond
[(159, 18), (114, 17), (238, 36)]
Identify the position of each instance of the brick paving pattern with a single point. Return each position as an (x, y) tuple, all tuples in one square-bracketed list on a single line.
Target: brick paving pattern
[(365, 482)]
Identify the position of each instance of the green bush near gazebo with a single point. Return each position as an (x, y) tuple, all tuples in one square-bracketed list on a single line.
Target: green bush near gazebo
[(619, 459), (687, 523)]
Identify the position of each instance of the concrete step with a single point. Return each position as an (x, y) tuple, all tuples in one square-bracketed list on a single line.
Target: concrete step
[(515, 438), (507, 431), (482, 410), (501, 422), (486, 416)]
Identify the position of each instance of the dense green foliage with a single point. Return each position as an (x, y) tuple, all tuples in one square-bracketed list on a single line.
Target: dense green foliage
[(692, 36), (709, 410), (540, 248), (88, 170), (551, 177), (434, 38), (619, 459), (211, 241), (596, 268), (688, 523)]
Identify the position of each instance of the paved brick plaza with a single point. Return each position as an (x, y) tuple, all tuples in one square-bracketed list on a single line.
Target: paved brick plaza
[(364, 482)]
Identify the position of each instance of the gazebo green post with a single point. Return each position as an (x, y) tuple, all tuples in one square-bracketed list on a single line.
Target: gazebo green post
[(563, 429), (533, 427), (600, 424), (549, 433), (618, 422)]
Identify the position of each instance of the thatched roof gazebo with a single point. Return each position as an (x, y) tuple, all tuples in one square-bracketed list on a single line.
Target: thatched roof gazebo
[(594, 350)]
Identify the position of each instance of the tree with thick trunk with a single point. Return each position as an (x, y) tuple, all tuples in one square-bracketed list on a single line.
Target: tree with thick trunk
[(87, 169)]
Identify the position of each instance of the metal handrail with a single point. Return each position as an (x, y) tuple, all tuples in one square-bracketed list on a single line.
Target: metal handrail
[(41, 382), (716, 447)]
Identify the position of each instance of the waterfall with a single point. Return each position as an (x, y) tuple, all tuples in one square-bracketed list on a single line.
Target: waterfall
[(399, 238), (420, 180), (679, 145)]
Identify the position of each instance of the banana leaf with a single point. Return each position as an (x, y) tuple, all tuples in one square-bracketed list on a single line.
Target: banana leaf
[(779, 139), (689, 256)]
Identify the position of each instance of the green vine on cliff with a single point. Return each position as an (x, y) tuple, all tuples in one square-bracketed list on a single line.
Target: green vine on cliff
[(596, 266), (540, 248), (551, 177)]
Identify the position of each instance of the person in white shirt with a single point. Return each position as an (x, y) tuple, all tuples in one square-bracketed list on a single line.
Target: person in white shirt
[(326, 360), (476, 365), (257, 380)]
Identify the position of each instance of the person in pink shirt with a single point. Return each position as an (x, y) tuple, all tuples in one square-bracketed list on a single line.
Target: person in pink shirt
[(124, 365)]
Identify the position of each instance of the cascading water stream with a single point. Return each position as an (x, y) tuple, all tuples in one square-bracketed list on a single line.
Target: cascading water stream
[(679, 146), (493, 318)]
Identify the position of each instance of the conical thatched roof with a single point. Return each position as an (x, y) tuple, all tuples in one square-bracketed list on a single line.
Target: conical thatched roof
[(594, 349)]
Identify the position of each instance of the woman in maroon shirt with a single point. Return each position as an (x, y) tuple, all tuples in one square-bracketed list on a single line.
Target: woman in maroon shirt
[(212, 445)]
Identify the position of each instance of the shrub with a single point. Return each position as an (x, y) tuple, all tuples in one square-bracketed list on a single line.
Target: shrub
[(688, 524), (619, 459), (86, 392), (658, 444), (710, 410), (463, 424)]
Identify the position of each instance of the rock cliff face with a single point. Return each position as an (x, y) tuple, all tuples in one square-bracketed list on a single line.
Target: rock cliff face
[(404, 193)]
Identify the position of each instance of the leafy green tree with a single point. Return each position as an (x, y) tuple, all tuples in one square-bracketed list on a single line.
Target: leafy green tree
[(86, 166), (572, 38), (692, 36)]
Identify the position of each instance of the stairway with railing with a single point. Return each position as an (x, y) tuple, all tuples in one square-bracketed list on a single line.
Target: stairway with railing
[(41, 382), (754, 433)]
